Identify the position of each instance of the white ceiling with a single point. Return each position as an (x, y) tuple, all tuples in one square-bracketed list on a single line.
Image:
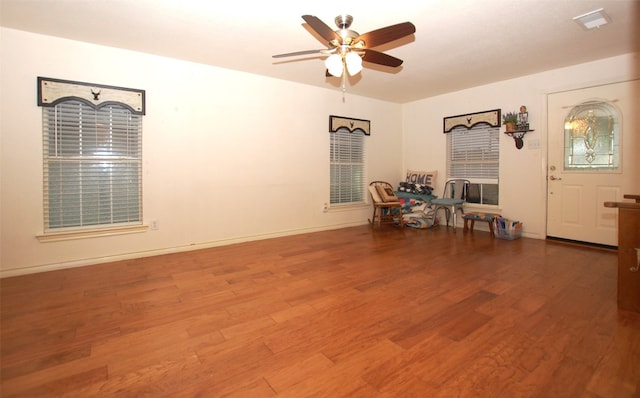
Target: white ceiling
[(457, 44)]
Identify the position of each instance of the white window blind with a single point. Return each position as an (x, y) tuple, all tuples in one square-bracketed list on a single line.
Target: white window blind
[(92, 166), (474, 154), (348, 167)]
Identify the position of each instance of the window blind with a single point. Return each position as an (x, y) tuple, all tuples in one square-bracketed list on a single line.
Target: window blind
[(92, 166), (474, 153), (347, 167)]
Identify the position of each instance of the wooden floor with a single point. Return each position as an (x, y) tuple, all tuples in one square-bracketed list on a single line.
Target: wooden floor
[(358, 312)]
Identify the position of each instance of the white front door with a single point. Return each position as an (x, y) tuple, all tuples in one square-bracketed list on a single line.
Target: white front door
[(594, 157)]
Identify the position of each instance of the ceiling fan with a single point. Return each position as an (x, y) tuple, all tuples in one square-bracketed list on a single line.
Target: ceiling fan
[(347, 48)]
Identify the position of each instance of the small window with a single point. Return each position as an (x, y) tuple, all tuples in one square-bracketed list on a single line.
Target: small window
[(92, 166), (474, 154), (592, 134), (348, 167)]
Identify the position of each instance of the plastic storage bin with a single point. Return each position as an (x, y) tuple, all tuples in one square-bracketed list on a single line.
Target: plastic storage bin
[(507, 229)]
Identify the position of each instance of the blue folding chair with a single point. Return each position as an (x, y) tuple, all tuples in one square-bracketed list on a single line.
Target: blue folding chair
[(453, 198)]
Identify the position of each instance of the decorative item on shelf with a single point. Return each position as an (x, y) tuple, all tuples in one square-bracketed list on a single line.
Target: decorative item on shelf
[(523, 119), (517, 125), (509, 119)]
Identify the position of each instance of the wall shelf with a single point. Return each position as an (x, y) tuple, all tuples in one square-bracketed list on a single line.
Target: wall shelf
[(518, 136)]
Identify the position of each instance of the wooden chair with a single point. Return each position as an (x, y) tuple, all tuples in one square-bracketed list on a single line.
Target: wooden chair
[(387, 208)]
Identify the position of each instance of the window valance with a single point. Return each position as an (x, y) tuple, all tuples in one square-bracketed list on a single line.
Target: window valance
[(492, 118), (52, 91), (336, 122)]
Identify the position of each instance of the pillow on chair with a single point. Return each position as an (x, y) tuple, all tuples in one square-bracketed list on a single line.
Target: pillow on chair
[(422, 177), (386, 194), (374, 194)]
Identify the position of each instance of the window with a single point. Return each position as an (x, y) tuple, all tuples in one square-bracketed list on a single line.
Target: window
[(92, 165), (592, 137), (348, 167), (474, 154)]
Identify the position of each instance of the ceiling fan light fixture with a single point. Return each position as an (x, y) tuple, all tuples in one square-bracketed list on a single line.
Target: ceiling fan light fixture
[(334, 65), (346, 49), (353, 63)]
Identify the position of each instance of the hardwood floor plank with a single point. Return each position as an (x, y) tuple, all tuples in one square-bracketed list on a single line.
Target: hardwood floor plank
[(616, 375), (161, 378), (64, 384), (56, 380), (23, 366), (447, 318), (494, 372), (297, 372), (296, 311), (402, 368), (229, 360), (356, 312)]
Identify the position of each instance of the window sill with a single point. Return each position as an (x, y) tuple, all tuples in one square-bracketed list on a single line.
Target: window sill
[(91, 233), (347, 207)]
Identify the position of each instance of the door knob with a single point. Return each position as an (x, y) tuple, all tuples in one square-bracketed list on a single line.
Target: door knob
[(552, 178)]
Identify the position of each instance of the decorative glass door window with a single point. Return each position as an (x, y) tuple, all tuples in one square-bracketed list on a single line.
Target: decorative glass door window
[(592, 137)]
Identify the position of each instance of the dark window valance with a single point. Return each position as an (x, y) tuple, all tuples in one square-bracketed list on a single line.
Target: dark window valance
[(53, 91), (336, 122), (492, 118)]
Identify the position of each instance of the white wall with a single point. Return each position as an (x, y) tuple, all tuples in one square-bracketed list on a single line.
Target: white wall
[(228, 156), (231, 157), (522, 172)]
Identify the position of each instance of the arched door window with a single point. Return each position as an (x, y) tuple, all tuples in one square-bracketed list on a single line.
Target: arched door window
[(592, 137)]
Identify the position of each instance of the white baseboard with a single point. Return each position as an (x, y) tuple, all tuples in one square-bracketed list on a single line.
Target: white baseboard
[(168, 250)]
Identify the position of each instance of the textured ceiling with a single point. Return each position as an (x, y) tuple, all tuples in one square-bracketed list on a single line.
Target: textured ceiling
[(458, 43)]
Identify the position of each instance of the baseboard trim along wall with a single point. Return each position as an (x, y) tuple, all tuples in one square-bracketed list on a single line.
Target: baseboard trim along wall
[(158, 252)]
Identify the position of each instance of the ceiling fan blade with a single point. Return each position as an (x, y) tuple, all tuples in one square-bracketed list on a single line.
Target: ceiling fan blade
[(385, 35), (321, 28), (376, 57), (305, 52)]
